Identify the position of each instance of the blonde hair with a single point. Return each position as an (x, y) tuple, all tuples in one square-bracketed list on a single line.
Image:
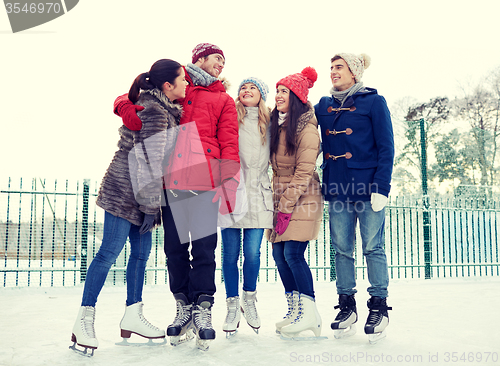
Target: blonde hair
[(264, 117)]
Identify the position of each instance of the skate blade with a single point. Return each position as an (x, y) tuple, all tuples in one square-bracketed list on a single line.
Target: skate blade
[(344, 333), (84, 352), (230, 334), (149, 343), (376, 337), (290, 337), (186, 337), (203, 344), (256, 330)]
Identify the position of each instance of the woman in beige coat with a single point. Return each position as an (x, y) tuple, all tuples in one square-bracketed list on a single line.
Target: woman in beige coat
[(298, 204)]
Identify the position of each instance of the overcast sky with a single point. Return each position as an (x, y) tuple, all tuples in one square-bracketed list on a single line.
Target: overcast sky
[(59, 80)]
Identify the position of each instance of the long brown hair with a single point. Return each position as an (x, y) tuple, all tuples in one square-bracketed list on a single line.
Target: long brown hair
[(162, 71), (295, 109)]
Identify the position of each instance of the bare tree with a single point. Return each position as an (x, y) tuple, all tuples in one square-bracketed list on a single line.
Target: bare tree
[(494, 82), (480, 108), (435, 112)]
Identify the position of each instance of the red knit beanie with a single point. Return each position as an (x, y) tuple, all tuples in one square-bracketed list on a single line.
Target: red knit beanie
[(205, 49), (300, 83)]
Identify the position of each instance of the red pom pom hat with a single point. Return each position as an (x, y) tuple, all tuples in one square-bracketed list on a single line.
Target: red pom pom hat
[(300, 83)]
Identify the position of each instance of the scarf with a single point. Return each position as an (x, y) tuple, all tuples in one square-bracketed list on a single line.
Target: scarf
[(199, 76), (252, 113), (281, 118), (341, 96)]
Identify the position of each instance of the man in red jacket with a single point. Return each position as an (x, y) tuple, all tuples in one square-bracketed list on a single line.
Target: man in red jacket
[(202, 169)]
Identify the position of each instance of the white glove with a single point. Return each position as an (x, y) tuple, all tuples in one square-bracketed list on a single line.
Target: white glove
[(378, 201)]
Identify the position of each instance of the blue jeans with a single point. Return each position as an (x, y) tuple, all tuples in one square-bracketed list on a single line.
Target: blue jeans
[(231, 244), (116, 230), (343, 217), (292, 266)]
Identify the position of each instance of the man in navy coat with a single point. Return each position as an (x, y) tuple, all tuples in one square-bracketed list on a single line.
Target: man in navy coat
[(358, 156)]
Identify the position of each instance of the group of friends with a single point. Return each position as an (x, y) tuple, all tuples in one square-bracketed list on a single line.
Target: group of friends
[(192, 159)]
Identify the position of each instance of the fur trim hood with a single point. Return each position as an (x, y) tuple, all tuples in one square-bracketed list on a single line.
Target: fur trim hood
[(225, 82), (307, 117), (172, 107)]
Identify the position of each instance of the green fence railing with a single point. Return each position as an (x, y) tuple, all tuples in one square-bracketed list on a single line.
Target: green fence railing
[(50, 232)]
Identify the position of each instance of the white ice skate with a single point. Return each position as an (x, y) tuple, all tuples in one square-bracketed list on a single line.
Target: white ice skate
[(83, 331), (292, 299), (308, 318), (378, 319), (249, 310), (233, 316), (133, 321)]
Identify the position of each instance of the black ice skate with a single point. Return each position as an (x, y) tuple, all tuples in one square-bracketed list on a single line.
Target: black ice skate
[(202, 321), (344, 323), (378, 319), (180, 330)]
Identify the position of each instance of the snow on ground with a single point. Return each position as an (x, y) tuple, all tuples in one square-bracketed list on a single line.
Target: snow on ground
[(434, 322)]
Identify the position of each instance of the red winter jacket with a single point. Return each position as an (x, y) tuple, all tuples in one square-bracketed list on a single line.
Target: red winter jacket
[(207, 155)]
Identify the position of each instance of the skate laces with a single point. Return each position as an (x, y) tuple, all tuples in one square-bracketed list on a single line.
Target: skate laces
[(232, 310), (202, 317), (289, 299), (347, 306), (377, 311), (88, 321), (299, 312), (183, 314), (344, 313), (145, 321), (374, 316), (250, 306)]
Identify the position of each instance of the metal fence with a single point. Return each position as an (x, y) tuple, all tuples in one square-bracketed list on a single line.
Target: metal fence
[(51, 230)]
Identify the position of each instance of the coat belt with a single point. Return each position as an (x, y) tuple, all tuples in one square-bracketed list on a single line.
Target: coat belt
[(283, 172)]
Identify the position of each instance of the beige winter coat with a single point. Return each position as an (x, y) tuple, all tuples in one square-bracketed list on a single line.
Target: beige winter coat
[(296, 187)]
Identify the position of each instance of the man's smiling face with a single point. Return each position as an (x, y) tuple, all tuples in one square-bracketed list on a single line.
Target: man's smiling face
[(342, 77)]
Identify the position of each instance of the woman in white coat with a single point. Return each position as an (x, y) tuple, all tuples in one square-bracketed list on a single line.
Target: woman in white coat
[(254, 212)]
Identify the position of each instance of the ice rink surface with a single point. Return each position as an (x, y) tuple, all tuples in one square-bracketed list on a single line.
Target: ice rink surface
[(433, 322)]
